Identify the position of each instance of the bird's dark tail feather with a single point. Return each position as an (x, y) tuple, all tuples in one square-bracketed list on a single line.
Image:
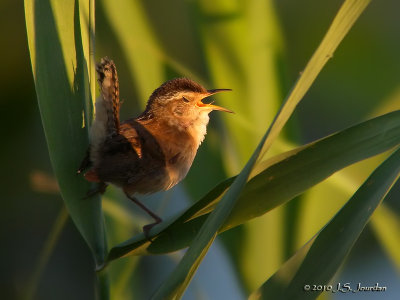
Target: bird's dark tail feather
[(109, 99), (106, 123)]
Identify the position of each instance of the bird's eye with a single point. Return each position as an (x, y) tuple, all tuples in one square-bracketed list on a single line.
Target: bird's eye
[(185, 99)]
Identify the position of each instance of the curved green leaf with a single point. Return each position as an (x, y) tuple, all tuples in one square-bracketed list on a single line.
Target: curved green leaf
[(318, 261), (284, 177), (58, 38)]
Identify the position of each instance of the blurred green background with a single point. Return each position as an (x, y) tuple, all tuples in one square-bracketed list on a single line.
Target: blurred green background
[(362, 80)]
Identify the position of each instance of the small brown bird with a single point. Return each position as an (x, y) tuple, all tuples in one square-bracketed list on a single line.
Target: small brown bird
[(154, 151)]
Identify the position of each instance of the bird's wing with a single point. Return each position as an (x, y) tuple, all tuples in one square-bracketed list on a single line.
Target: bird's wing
[(130, 136)]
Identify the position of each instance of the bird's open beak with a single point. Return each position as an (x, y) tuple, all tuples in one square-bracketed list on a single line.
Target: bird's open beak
[(210, 105)]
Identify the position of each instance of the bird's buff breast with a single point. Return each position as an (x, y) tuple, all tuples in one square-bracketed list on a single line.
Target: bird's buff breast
[(183, 144)]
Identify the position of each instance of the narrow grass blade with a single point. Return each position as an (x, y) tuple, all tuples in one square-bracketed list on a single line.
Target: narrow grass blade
[(326, 251), (284, 177), (59, 49)]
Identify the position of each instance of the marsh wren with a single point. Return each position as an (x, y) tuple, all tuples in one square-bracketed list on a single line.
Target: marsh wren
[(154, 151)]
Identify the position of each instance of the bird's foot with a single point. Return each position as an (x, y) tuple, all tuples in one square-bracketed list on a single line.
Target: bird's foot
[(148, 227)]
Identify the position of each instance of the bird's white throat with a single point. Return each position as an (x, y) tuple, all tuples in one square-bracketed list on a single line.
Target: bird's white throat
[(196, 127)]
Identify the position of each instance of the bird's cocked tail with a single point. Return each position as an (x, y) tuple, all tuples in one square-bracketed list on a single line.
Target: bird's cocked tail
[(108, 102), (106, 123)]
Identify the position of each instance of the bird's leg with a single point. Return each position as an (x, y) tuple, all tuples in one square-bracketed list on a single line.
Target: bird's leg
[(146, 228), (101, 188)]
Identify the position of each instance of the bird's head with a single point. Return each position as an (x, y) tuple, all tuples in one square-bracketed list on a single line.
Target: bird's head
[(180, 102)]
